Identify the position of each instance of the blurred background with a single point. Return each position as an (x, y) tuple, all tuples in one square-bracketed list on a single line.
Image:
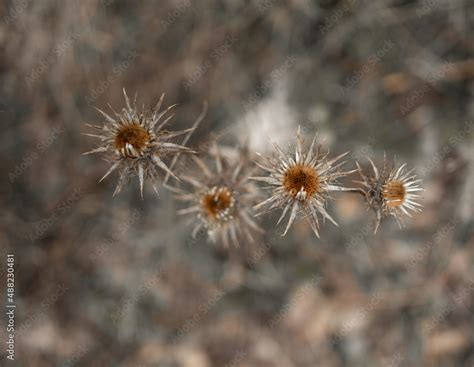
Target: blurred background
[(103, 281)]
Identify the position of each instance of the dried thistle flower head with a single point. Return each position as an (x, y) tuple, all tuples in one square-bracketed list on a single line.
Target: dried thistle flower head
[(301, 183), (393, 191), (136, 144), (222, 199)]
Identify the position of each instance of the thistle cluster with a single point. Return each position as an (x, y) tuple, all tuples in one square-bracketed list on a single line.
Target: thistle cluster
[(226, 193)]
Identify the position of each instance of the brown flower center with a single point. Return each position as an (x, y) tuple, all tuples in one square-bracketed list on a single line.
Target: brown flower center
[(394, 193), (132, 140), (301, 176), (218, 203)]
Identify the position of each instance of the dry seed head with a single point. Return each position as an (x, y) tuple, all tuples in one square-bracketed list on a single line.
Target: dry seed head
[(394, 193), (222, 199), (301, 183), (136, 144), (218, 203), (132, 140), (391, 191), (301, 177)]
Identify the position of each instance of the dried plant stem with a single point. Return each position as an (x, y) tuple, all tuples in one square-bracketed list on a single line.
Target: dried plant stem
[(354, 191)]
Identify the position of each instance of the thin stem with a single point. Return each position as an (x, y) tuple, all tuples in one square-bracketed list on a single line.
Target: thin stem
[(354, 190)]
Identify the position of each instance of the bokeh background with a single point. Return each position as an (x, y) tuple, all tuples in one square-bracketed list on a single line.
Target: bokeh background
[(103, 281)]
